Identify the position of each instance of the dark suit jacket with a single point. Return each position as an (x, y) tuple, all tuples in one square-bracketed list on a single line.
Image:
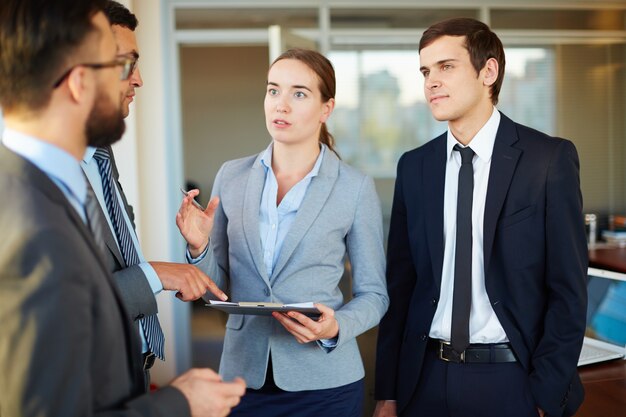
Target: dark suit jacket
[(535, 257), (67, 347)]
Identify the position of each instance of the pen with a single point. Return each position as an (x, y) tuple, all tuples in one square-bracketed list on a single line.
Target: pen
[(193, 200)]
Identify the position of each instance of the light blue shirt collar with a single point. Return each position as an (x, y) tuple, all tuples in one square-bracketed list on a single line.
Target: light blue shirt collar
[(266, 160), (59, 165), (89, 153)]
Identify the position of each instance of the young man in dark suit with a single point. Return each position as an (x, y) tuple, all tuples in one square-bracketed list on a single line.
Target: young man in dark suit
[(487, 255), (67, 347)]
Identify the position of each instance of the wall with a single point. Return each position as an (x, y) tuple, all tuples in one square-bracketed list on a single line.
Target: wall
[(591, 95), (222, 92)]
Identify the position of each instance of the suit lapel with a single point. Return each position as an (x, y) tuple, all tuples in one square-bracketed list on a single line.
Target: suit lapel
[(315, 198), (32, 175), (116, 180), (433, 180), (130, 335), (111, 243), (109, 238), (503, 162), (251, 204)]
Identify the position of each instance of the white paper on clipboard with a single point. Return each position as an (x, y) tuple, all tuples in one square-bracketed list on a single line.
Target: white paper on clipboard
[(264, 308)]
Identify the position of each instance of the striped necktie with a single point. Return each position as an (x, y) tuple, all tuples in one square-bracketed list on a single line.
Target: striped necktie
[(149, 324)]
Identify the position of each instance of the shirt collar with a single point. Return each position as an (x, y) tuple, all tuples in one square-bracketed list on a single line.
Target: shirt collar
[(54, 161), (89, 153), (482, 143), (266, 160)]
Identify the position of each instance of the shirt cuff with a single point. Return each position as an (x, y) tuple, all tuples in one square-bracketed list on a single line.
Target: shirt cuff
[(152, 277), (328, 344), (192, 260)]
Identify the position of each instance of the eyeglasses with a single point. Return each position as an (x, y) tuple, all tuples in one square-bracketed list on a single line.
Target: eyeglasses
[(128, 64)]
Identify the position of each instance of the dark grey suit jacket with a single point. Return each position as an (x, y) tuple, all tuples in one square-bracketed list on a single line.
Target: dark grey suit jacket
[(67, 347), (132, 282)]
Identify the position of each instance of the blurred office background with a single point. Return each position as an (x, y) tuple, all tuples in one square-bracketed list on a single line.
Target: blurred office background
[(204, 65)]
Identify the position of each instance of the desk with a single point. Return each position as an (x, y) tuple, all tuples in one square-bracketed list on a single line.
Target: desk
[(609, 258), (605, 383), (605, 388)]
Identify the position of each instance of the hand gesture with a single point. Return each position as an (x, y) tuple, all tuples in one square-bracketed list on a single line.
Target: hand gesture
[(194, 224), (207, 394), (305, 329), (188, 281)]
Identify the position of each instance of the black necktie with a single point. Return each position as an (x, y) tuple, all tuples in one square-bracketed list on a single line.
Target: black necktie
[(462, 299), (150, 323)]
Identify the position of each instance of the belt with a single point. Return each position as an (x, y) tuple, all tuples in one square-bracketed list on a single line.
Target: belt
[(475, 353), (148, 360)]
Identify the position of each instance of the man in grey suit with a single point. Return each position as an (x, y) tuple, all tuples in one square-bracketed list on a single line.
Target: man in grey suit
[(67, 347), (139, 281)]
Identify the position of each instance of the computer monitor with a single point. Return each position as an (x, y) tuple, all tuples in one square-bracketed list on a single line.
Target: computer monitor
[(606, 310), (605, 336)]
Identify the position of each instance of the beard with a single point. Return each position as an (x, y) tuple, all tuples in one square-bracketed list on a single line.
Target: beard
[(105, 124)]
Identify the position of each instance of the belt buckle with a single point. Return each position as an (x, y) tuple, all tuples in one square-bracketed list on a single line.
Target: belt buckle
[(148, 360), (454, 359)]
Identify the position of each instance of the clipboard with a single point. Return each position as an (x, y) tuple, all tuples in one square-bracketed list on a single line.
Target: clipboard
[(264, 308)]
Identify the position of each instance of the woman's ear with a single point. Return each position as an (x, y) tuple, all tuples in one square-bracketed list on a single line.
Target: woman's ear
[(327, 110)]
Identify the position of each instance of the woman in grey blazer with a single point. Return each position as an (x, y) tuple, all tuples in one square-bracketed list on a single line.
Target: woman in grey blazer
[(277, 230)]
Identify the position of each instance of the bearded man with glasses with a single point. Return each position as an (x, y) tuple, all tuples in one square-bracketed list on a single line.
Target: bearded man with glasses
[(67, 347)]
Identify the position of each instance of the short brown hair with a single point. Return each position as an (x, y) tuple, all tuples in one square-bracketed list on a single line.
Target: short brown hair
[(36, 39), (481, 43), (119, 15)]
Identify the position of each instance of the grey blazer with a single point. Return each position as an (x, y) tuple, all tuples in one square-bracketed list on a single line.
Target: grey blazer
[(67, 347), (134, 287), (339, 215)]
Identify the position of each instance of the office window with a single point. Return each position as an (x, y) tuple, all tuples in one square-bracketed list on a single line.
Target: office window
[(572, 91), (381, 111), (529, 90)]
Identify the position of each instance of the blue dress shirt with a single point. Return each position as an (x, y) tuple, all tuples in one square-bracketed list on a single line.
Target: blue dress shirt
[(90, 167), (61, 167), (275, 221)]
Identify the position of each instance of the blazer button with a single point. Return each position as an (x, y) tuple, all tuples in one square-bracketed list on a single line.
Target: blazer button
[(424, 337), (433, 301), (140, 316), (267, 292)]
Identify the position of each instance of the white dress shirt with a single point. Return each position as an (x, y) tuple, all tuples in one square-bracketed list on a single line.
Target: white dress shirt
[(484, 324)]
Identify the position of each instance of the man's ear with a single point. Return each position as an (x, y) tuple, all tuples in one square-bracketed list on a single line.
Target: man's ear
[(77, 83), (490, 72)]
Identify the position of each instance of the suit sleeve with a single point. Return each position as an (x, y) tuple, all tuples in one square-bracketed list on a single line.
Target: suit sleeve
[(133, 283), (401, 278), (555, 358), (365, 250), (136, 292), (46, 351), (215, 262)]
